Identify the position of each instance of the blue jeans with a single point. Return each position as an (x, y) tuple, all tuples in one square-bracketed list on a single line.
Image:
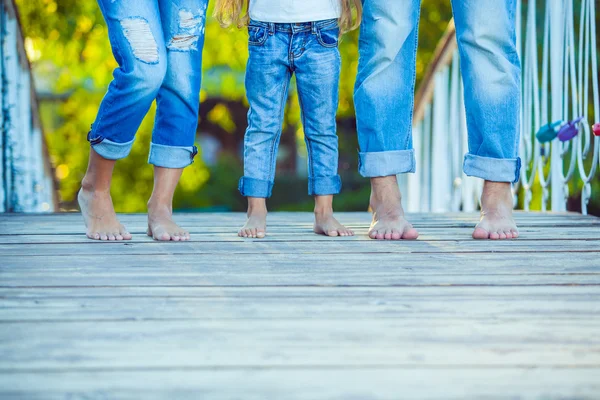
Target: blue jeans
[(158, 46), (384, 92), (308, 50)]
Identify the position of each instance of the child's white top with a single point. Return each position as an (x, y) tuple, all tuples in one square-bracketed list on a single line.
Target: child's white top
[(291, 11)]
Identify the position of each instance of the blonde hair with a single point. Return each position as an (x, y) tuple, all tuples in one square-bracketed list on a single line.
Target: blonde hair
[(235, 12)]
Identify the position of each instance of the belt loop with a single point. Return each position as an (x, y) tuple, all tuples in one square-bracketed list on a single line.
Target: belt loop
[(271, 28), (313, 27)]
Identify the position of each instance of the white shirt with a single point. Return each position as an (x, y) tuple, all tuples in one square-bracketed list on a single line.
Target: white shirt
[(292, 11)]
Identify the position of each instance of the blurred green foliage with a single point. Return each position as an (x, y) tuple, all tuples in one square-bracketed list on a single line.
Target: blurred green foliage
[(68, 45)]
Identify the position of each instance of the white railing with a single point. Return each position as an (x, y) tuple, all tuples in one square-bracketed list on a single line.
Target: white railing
[(559, 107), (26, 183)]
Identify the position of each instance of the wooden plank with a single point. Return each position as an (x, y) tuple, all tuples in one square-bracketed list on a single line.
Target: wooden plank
[(448, 303), (375, 383), (330, 246), (325, 293), (449, 293), (72, 223), (389, 263), (233, 220), (219, 280), (297, 343), (305, 233), (301, 270)]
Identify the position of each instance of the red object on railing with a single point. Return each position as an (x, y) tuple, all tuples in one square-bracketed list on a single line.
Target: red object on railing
[(596, 129)]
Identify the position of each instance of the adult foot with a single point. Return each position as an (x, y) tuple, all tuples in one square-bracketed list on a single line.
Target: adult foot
[(256, 224), (161, 225), (496, 213), (388, 215), (99, 216), (326, 224)]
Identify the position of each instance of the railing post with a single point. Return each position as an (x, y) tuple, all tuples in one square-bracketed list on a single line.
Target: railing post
[(426, 183), (557, 54), (2, 92), (441, 183), (9, 68), (414, 180), (26, 181)]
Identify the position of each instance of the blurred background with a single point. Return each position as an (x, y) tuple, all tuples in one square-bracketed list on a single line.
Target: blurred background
[(67, 45)]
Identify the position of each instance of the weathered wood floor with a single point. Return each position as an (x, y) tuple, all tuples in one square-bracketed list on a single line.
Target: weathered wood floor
[(299, 316)]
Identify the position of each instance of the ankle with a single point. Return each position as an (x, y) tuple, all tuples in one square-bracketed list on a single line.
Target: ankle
[(323, 205), (321, 210), (159, 206), (381, 202), (385, 190), (497, 194), (90, 186), (257, 206), (256, 211)]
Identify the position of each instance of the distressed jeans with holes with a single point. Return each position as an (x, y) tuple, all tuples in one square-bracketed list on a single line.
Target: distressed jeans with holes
[(158, 46), (384, 92), (308, 50)]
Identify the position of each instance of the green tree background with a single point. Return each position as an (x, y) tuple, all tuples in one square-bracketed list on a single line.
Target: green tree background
[(68, 45)]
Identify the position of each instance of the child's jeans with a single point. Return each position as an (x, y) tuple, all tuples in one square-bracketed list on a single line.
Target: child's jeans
[(158, 46), (277, 51)]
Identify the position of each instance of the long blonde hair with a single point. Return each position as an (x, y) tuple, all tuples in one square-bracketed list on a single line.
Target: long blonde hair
[(235, 12)]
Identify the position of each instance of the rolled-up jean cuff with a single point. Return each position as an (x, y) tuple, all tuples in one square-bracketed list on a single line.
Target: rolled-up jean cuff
[(493, 169), (171, 156), (112, 150), (250, 187), (324, 185), (386, 163)]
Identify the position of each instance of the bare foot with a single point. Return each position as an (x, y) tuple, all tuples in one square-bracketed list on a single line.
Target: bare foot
[(256, 224), (388, 214), (326, 224), (99, 216), (161, 225), (496, 213)]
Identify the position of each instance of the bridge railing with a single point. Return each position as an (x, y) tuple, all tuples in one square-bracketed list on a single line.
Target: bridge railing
[(26, 179), (560, 112)]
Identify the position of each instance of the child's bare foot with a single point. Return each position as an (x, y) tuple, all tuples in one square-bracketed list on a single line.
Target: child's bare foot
[(256, 225), (99, 215), (161, 225), (326, 224)]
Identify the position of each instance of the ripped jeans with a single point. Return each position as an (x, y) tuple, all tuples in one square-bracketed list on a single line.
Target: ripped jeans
[(158, 46)]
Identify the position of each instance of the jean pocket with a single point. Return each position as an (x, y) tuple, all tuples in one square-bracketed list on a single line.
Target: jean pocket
[(328, 37), (257, 35)]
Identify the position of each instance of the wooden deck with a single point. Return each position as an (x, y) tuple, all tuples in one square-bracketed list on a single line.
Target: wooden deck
[(300, 316)]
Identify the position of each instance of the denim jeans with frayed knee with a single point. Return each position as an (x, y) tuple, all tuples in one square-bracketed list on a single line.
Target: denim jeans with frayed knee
[(158, 46)]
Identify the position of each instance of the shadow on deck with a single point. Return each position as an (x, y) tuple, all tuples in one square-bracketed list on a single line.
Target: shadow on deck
[(300, 316)]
